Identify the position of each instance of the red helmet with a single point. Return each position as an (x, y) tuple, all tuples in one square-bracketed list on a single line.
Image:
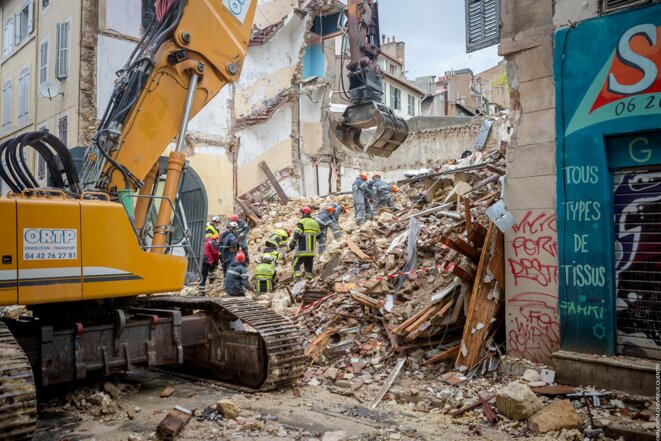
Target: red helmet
[(363, 176), (330, 209), (240, 257), (234, 218), (306, 210)]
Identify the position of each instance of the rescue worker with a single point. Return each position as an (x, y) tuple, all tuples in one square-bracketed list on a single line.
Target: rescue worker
[(212, 227), (228, 245), (242, 235), (381, 191), (305, 243), (328, 218), (275, 242), (361, 193), (236, 278), (211, 259), (265, 275)]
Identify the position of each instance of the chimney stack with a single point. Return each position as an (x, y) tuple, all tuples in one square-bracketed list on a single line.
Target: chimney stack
[(383, 39)]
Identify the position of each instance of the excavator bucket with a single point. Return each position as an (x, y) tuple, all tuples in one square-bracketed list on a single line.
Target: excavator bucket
[(390, 130)]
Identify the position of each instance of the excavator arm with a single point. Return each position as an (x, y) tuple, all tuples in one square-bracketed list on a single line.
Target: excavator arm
[(185, 58), (367, 110)]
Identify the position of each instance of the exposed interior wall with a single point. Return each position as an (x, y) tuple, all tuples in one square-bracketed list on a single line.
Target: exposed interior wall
[(215, 169), (533, 329)]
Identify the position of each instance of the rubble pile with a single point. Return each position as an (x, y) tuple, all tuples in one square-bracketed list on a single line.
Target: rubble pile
[(379, 296)]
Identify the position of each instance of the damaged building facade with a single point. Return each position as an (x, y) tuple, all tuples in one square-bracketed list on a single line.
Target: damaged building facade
[(583, 184)]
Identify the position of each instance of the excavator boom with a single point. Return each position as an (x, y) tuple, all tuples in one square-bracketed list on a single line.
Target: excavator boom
[(367, 110)]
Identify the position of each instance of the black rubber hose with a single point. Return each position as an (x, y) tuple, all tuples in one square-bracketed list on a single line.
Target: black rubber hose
[(5, 170)]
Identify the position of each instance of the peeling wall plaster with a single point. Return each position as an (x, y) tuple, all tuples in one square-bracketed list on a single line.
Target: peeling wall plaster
[(259, 139)]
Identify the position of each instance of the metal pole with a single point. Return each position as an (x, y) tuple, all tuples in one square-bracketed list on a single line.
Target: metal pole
[(189, 103)]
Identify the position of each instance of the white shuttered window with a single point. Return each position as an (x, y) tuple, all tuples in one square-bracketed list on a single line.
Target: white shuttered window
[(62, 50), (6, 105), (8, 37), (24, 95), (43, 61)]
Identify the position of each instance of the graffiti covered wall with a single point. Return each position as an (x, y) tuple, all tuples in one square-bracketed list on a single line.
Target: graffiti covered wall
[(608, 96)]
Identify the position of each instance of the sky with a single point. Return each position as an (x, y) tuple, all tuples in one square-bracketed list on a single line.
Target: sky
[(435, 35)]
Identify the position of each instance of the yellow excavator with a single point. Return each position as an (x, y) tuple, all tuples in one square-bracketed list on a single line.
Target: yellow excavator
[(118, 223)]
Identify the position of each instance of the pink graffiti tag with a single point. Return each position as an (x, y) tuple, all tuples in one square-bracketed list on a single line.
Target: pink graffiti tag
[(536, 223), (533, 247), (536, 331), (534, 270)]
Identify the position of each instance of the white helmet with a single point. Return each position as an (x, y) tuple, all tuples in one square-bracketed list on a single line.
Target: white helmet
[(268, 258), (215, 219), (233, 225)]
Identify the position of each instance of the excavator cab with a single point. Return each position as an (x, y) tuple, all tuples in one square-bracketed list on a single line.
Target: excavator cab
[(367, 116)]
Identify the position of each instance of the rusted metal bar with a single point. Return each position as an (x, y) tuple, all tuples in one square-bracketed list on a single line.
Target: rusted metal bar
[(251, 214)]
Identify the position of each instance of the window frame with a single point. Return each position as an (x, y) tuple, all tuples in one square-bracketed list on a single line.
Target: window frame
[(42, 8), (395, 98), (411, 105), (58, 50), (21, 22)]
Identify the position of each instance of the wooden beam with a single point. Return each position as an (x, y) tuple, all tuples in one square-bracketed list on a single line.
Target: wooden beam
[(356, 249), (274, 182), (251, 214), (461, 247), (468, 216), (386, 387)]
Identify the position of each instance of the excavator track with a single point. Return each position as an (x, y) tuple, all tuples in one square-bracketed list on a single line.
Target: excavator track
[(18, 394), (283, 342)]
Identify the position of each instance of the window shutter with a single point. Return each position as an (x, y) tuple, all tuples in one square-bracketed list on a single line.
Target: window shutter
[(23, 94), (30, 17), (43, 62), (614, 5), (17, 29), (482, 24), (62, 64), (6, 105), (9, 36)]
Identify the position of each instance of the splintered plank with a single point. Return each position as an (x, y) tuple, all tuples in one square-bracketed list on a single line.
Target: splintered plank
[(461, 247), (274, 182), (448, 353), (367, 301), (477, 235), (482, 308), (356, 249), (497, 262), (437, 317), (388, 384)]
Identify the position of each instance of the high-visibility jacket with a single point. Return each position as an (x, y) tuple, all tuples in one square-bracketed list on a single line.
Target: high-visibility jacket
[(305, 237), (276, 238), (265, 275), (211, 230)]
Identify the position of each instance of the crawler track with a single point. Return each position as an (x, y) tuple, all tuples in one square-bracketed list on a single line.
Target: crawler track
[(283, 342), (18, 394)]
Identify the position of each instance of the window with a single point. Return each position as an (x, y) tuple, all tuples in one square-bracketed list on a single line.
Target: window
[(62, 128), (614, 5), (43, 61), (62, 50), (24, 95), (8, 38), (6, 105), (395, 98), (44, 4), (411, 105), (23, 25), (482, 24)]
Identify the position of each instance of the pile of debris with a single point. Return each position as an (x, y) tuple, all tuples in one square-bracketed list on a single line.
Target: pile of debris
[(425, 281)]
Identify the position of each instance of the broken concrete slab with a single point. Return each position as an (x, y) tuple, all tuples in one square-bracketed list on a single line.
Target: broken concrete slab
[(555, 417), (517, 402)]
